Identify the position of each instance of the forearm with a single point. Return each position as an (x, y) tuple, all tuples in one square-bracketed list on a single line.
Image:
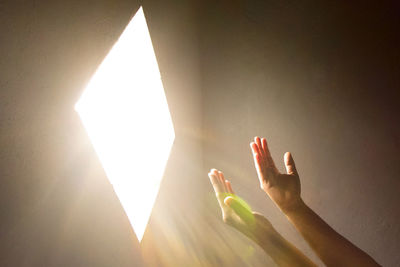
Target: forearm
[(332, 248), (282, 251)]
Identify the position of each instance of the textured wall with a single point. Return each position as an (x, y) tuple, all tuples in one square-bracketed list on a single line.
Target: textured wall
[(318, 80), (322, 81)]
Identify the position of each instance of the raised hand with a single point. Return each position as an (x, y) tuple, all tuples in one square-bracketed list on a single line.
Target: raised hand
[(236, 213), (282, 188)]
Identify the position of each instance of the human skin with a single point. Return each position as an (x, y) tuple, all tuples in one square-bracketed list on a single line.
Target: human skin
[(285, 191), (236, 213)]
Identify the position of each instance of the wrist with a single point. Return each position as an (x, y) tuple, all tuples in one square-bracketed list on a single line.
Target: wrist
[(263, 232), (269, 239), (295, 208)]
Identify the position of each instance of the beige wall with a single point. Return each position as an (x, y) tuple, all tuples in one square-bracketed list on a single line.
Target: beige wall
[(295, 73), (320, 80), (57, 206)]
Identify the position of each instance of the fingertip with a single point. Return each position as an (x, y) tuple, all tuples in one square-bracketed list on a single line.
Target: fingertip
[(254, 147), (287, 157), (213, 174), (289, 164), (264, 142), (258, 141)]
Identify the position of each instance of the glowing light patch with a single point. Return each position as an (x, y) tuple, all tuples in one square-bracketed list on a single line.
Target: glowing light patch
[(126, 115)]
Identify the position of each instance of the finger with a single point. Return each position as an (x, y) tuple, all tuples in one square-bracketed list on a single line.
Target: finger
[(215, 181), (215, 172), (289, 164), (263, 179), (255, 149), (256, 157), (218, 187), (222, 179), (265, 146), (268, 157), (258, 164), (229, 187), (241, 210), (258, 142), (266, 160)]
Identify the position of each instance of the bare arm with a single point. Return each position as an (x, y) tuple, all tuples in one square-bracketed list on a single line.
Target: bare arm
[(284, 189), (237, 214), (331, 247)]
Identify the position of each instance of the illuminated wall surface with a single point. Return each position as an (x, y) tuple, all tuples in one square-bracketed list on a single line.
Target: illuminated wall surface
[(125, 113)]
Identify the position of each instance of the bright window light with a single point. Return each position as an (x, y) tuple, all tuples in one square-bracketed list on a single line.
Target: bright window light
[(125, 113)]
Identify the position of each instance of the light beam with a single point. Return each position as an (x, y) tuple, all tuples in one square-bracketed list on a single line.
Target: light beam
[(125, 113)]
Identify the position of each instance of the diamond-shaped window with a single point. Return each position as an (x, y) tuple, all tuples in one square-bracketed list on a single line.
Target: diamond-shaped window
[(126, 115)]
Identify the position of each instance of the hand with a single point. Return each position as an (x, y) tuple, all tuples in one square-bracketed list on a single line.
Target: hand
[(283, 189), (236, 213)]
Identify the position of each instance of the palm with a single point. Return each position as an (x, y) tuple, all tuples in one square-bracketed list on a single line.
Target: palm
[(228, 214), (249, 223), (283, 189), (285, 192)]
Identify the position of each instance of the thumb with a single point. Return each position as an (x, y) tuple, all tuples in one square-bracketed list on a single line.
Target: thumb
[(241, 208), (289, 164)]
